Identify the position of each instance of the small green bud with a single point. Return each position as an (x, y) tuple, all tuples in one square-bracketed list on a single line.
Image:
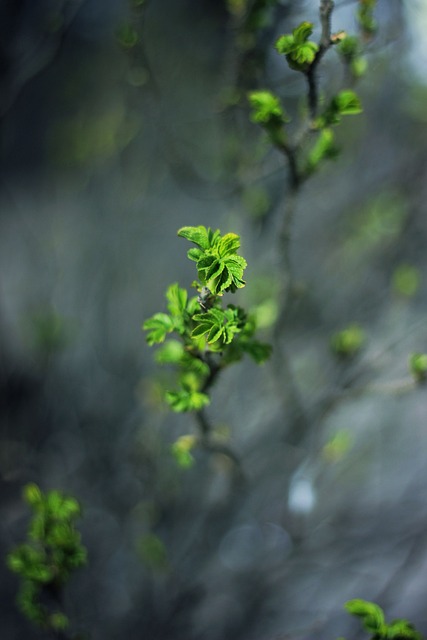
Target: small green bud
[(58, 621), (418, 366), (406, 280), (348, 342), (32, 495), (127, 36), (267, 109), (181, 450)]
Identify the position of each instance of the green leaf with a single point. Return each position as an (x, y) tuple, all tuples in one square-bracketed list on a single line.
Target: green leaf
[(219, 328), (323, 148), (32, 495), (349, 47), (365, 17), (61, 535), (347, 103), (184, 459), (258, 351), (299, 51), (224, 282), (267, 109), (371, 614), (37, 527), (177, 299), (204, 237), (181, 450), (171, 352), (15, 562), (39, 573), (62, 507), (181, 401), (198, 235), (58, 621), (402, 629), (215, 334), (221, 274), (236, 266), (158, 327), (70, 508), (211, 267), (218, 266), (194, 254), (305, 53), (209, 324), (24, 557), (358, 66), (302, 32), (228, 245), (285, 44), (27, 603)]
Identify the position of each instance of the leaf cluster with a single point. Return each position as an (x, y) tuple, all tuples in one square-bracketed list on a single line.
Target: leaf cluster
[(52, 552), (300, 52), (365, 18), (350, 51), (345, 103), (207, 335), (373, 621), (219, 267), (269, 114)]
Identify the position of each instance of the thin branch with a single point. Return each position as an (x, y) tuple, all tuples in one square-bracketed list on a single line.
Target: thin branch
[(300, 422), (205, 426), (326, 8), (295, 176)]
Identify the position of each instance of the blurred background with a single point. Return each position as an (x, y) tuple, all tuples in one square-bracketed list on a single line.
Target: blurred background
[(120, 123)]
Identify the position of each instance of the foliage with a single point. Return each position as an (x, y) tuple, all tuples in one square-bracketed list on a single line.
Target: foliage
[(345, 103), (219, 267), (46, 561), (199, 336), (300, 52), (181, 450), (351, 52), (268, 112), (373, 621), (304, 55), (210, 335), (365, 17)]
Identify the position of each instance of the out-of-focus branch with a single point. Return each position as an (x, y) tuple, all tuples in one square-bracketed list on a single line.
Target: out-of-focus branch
[(206, 427), (326, 8)]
